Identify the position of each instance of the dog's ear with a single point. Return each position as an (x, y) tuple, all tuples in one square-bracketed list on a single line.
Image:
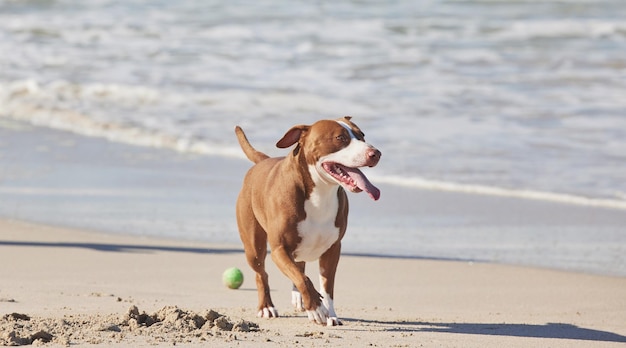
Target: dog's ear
[(292, 136)]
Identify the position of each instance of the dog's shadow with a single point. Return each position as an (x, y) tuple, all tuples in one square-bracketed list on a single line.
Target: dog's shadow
[(549, 330)]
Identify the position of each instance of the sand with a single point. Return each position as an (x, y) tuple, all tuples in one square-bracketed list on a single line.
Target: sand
[(68, 286)]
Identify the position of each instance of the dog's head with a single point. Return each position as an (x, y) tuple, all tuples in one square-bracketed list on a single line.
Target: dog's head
[(334, 150)]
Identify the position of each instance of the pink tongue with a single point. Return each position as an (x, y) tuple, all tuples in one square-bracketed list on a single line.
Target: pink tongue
[(362, 182)]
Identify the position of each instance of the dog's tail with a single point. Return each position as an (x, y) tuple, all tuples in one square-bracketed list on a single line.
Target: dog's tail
[(252, 154)]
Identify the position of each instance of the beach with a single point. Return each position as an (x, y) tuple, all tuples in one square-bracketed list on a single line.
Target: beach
[(502, 216), (114, 226), (89, 281)]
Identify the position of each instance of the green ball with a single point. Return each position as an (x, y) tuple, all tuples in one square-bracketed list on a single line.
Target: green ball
[(232, 278)]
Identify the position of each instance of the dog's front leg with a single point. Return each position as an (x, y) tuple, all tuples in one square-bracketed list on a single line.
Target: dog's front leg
[(311, 299), (328, 268), (296, 297)]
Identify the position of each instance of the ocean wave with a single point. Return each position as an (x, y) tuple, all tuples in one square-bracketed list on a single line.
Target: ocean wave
[(24, 101), (29, 102), (561, 28), (425, 184)]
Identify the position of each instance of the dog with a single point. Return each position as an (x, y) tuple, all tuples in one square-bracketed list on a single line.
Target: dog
[(298, 205)]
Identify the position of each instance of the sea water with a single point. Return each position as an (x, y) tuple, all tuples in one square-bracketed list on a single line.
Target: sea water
[(512, 97)]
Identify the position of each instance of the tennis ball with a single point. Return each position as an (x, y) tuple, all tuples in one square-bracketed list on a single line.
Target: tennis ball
[(232, 278)]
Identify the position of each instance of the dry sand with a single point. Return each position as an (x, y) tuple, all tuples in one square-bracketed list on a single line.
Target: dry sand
[(83, 288)]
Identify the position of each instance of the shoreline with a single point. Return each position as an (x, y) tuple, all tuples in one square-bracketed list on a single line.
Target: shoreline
[(185, 147), (63, 179), (427, 302)]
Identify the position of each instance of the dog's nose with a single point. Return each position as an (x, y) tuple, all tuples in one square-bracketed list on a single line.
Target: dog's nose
[(373, 156)]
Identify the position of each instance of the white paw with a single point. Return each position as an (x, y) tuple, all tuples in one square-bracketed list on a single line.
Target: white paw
[(296, 300), (333, 321), (268, 312), (319, 315), (332, 316)]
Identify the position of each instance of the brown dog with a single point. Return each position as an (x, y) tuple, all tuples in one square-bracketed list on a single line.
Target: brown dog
[(298, 205)]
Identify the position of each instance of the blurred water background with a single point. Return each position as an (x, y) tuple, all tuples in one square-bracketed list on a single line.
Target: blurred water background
[(520, 95)]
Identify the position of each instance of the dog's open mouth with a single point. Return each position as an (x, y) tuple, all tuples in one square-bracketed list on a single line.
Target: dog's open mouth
[(352, 179)]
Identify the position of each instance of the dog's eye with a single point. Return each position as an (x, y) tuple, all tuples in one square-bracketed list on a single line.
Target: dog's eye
[(342, 138)]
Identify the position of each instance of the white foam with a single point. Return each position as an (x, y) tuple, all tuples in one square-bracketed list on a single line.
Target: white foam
[(25, 101), (148, 116), (425, 184), (561, 28), (70, 191)]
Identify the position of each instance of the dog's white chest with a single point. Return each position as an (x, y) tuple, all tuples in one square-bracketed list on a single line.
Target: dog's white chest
[(318, 230)]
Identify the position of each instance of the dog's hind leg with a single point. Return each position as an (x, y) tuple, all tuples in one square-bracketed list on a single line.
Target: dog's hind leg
[(254, 239), (256, 260)]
